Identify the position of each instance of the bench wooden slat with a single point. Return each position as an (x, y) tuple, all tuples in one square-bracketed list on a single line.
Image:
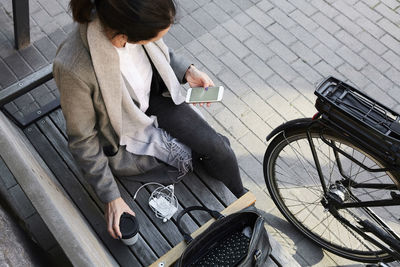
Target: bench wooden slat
[(222, 193), (80, 197), (147, 229), (59, 142), (173, 255), (58, 118), (203, 194), (167, 229)]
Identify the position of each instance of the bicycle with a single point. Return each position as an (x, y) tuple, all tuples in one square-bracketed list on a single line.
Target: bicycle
[(336, 176)]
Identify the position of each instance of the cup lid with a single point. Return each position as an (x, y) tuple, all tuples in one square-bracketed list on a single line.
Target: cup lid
[(128, 226)]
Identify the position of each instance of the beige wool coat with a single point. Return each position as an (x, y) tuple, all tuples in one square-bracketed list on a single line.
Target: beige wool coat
[(86, 70)]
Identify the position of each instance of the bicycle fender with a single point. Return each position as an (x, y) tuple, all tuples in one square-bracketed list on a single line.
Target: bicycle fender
[(293, 124)]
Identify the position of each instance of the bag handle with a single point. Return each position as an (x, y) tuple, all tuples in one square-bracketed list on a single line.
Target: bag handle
[(215, 214)]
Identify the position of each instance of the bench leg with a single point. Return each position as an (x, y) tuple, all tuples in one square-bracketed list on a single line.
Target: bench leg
[(21, 23)]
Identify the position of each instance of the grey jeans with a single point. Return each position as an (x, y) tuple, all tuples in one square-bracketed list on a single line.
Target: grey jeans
[(209, 148)]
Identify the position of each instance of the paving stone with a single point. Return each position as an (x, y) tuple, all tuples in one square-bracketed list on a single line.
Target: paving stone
[(33, 57), (181, 34), (286, 6), (306, 71), (20, 68), (304, 21), (216, 12), (304, 87), (324, 7), (259, 32), (254, 144), (305, 53), (265, 5), (370, 27), (213, 44), (393, 4), (327, 54), (46, 48), (347, 24), (237, 86), (281, 34), (219, 32), (282, 68), (259, 48), (327, 70), (235, 46), (258, 85), (353, 75), (375, 60), (207, 21), (229, 7), (242, 19), (42, 18), (367, 11), (259, 16), (63, 19), (283, 51), (235, 104), (172, 42), (349, 41), (370, 41), (326, 38), (210, 61), (344, 8), (326, 22), (192, 26), (307, 38), (304, 6), (243, 4), (258, 66), (234, 64), (188, 5), (352, 58), (255, 124), (230, 122), (377, 77), (393, 59), (283, 88), (388, 13), (281, 18), (390, 28), (52, 7), (238, 31), (394, 75), (258, 105), (392, 43), (6, 76)]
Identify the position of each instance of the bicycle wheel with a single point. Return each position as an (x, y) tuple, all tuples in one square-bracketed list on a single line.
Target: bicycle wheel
[(295, 187)]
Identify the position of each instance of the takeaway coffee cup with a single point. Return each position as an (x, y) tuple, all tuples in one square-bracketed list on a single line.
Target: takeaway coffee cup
[(129, 228)]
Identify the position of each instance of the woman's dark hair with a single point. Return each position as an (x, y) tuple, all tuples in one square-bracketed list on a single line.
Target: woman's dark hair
[(138, 19)]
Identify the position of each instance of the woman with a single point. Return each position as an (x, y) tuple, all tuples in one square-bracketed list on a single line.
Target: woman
[(122, 101)]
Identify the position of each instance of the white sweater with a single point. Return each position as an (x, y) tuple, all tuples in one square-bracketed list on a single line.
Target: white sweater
[(136, 70)]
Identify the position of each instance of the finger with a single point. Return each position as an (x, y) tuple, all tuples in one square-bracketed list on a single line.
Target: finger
[(208, 104), (211, 83), (201, 104), (117, 216), (131, 212), (206, 82), (109, 226), (194, 104)]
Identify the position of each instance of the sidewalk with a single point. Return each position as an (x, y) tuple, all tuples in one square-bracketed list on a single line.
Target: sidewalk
[(269, 54)]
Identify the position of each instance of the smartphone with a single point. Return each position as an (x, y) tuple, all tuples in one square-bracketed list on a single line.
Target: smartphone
[(200, 94)]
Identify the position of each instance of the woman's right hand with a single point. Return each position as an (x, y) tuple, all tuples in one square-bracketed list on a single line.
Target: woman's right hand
[(113, 214)]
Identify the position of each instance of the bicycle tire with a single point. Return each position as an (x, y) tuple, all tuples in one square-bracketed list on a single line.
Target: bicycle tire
[(286, 205)]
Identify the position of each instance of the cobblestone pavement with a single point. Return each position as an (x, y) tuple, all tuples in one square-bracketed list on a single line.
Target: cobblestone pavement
[(269, 54)]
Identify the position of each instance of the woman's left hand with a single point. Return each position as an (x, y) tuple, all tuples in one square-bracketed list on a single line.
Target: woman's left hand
[(197, 78)]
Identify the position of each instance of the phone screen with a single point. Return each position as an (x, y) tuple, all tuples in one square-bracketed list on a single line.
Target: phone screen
[(199, 94)]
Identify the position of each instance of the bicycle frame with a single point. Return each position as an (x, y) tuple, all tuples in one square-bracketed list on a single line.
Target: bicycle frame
[(333, 205)]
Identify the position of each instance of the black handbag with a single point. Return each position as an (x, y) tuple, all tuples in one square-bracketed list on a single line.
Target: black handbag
[(238, 239)]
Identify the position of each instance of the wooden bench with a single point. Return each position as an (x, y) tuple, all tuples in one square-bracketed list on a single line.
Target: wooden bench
[(158, 241)]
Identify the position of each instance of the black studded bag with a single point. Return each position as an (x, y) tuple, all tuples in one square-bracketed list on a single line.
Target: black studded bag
[(239, 239)]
